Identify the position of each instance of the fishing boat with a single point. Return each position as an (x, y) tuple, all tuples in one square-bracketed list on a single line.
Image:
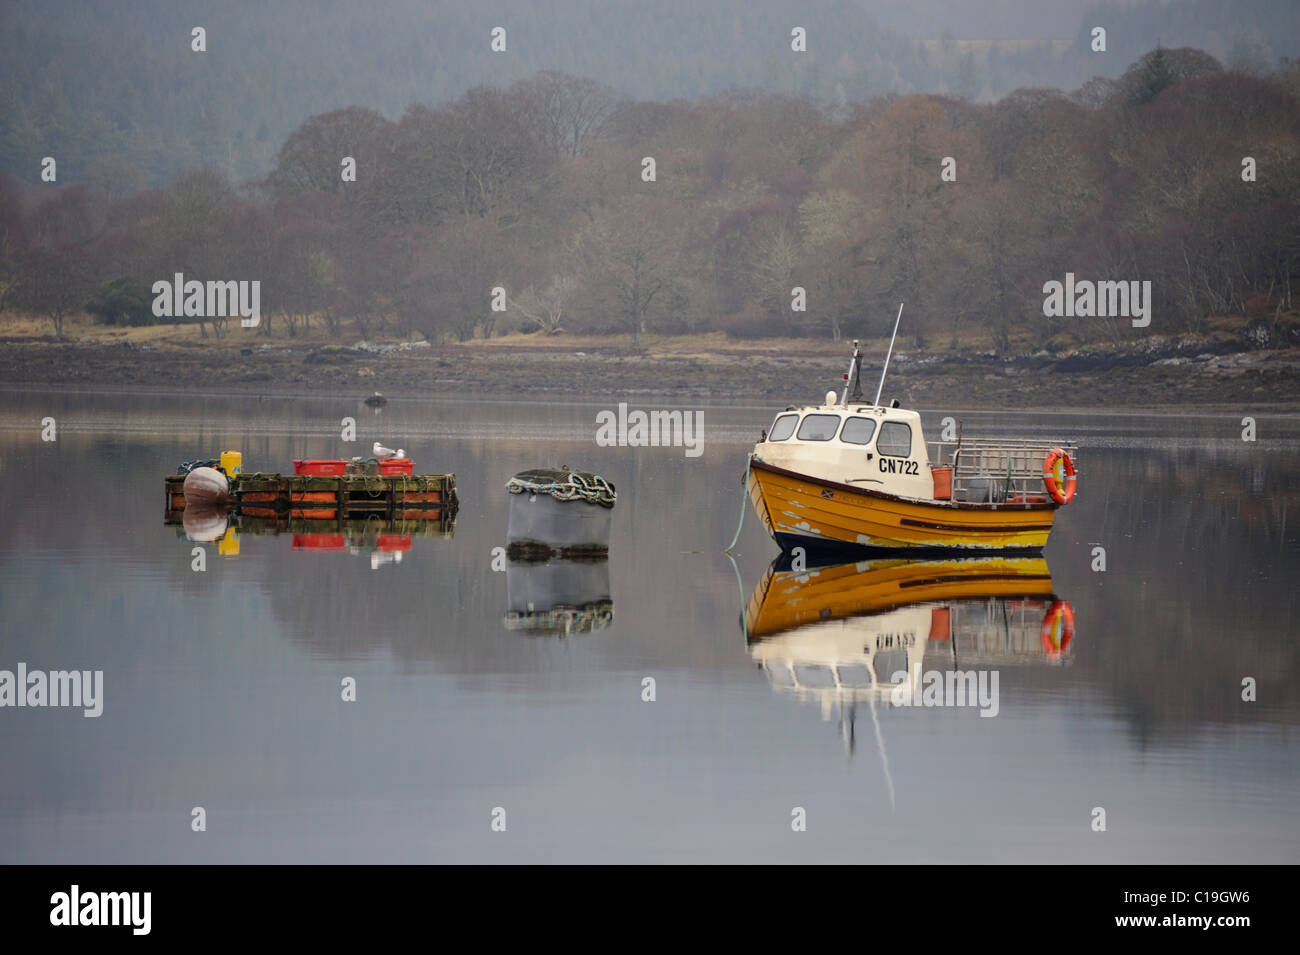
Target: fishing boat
[(850, 475), (891, 631), (861, 631), (787, 600)]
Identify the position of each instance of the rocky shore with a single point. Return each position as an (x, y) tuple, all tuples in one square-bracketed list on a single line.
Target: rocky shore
[(1156, 375)]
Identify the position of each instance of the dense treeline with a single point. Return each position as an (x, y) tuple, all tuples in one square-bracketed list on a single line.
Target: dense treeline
[(539, 189), (85, 80)]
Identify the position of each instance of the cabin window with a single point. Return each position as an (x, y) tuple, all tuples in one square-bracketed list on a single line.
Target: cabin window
[(895, 439), (855, 676), (779, 673), (783, 427), (819, 427), (890, 664), (814, 676), (858, 430)]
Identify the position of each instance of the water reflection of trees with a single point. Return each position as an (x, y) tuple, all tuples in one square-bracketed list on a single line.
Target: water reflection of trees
[(1202, 552)]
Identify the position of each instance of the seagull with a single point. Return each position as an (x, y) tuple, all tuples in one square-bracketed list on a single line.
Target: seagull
[(383, 453)]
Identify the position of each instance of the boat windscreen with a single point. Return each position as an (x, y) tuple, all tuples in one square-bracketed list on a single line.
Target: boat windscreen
[(855, 675), (890, 666), (814, 676), (895, 439), (779, 673), (783, 427), (858, 430), (819, 427)]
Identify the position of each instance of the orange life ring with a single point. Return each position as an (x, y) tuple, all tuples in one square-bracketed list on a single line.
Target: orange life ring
[(1058, 628), (1061, 491)]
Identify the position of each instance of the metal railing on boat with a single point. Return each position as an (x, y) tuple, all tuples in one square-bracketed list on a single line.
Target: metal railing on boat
[(997, 470)]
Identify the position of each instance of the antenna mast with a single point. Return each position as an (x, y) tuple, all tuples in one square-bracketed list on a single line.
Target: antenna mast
[(888, 355), (854, 378)]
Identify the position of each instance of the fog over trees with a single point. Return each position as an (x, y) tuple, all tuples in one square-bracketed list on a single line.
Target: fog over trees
[(770, 212), (91, 82)]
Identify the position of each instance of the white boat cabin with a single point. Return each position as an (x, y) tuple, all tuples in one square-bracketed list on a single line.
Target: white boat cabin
[(882, 450), (849, 658), (861, 445)]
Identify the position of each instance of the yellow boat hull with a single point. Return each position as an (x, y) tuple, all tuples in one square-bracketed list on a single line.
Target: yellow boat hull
[(802, 511), (787, 599)]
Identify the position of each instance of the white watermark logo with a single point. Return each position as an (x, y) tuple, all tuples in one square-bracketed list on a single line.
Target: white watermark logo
[(194, 299), (947, 688), (75, 907), (83, 688), (653, 429), (1088, 299)]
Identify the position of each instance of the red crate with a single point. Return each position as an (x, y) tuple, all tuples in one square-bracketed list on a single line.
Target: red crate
[(391, 542), (320, 468), (315, 541), (395, 466)]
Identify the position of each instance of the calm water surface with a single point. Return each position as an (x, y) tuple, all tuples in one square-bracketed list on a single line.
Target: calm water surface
[(222, 688)]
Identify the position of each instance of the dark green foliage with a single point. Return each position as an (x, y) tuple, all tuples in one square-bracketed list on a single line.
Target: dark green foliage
[(123, 301)]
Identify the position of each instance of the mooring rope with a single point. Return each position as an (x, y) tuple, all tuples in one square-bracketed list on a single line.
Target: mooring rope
[(565, 486), (744, 494), (740, 587)]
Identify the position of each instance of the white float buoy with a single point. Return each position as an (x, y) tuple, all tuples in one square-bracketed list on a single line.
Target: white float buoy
[(206, 486), (204, 524)]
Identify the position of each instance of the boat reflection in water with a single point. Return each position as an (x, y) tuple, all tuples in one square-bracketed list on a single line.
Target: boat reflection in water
[(866, 632), (380, 541), (558, 597)]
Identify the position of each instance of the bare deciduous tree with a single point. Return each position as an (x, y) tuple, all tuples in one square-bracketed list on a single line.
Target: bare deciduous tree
[(547, 304), (573, 109)]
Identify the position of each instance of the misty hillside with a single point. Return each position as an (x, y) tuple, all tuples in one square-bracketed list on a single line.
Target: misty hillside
[(758, 215), (81, 79)]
